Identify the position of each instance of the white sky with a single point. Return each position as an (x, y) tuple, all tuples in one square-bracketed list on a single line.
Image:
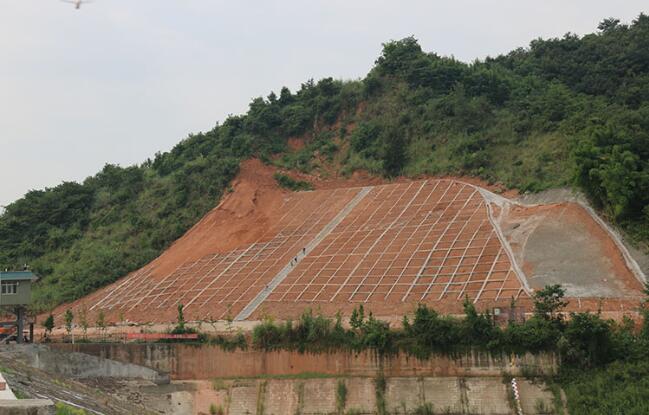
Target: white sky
[(118, 80)]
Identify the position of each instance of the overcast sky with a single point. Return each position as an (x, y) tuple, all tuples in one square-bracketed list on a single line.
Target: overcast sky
[(118, 80)]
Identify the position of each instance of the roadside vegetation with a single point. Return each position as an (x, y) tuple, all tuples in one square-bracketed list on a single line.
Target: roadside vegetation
[(564, 111), (604, 364), (583, 340)]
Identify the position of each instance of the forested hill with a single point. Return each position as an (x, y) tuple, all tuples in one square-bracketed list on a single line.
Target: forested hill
[(573, 110)]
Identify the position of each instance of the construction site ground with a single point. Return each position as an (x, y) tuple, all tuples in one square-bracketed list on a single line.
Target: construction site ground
[(267, 251)]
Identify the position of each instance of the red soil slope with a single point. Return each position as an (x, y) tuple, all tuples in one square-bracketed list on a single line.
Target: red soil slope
[(264, 250)]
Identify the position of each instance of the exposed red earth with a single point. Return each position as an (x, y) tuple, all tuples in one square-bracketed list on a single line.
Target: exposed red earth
[(267, 251)]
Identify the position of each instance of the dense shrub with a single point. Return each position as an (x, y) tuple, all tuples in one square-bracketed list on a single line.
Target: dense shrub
[(617, 388), (229, 343), (583, 340), (292, 184)]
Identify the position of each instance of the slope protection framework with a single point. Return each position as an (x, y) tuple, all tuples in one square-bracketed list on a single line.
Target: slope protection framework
[(391, 245), (388, 247)]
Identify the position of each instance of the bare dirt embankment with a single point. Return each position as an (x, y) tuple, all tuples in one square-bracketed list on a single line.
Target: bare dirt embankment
[(242, 217), (238, 247)]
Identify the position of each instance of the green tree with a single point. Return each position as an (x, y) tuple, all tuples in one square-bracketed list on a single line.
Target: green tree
[(477, 328), (180, 323), (83, 321), (68, 317), (48, 324), (357, 317), (394, 158), (549, 301), (376, 334), (364, 137), (431, 332), (608, 25), (644, 312), (101, 322), (613, 168), (587, 341)]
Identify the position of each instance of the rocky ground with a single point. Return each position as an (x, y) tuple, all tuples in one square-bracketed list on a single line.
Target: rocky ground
[(97, 396)]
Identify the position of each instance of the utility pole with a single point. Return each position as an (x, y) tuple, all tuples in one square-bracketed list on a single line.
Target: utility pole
[(20, 314)]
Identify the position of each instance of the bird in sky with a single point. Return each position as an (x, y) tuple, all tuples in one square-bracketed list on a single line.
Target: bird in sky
[(77, 3)]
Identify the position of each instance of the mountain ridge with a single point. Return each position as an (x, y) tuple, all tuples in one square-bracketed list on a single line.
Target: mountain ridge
[(571, 110)]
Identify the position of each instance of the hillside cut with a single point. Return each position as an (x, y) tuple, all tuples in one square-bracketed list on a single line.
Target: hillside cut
[(264, 251)]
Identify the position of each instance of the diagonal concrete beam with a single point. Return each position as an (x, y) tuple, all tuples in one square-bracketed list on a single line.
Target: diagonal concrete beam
[(283, 273)]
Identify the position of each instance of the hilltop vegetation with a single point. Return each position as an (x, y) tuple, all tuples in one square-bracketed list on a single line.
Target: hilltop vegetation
[(571, 110)]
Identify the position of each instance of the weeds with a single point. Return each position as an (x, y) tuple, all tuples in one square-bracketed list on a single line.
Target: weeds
[(543, 408), (424, 409), (219, 385), (341, 396), (379, 390), (63, 409), (216, 409)]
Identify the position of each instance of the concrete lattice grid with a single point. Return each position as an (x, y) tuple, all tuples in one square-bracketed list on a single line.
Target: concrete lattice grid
[(230, 280), (386, 246), (415, 242)]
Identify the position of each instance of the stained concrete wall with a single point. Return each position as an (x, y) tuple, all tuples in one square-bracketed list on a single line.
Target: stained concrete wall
[(534, 396), (82, 365), (184, 361), (402, 395)]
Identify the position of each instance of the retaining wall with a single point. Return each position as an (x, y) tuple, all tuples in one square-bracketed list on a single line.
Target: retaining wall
[(183, 361), (83, 365), (362, 395)]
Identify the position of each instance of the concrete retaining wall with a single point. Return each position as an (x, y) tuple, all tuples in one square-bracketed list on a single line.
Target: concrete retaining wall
[(184, 361), (402, 395), (82, 365)]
